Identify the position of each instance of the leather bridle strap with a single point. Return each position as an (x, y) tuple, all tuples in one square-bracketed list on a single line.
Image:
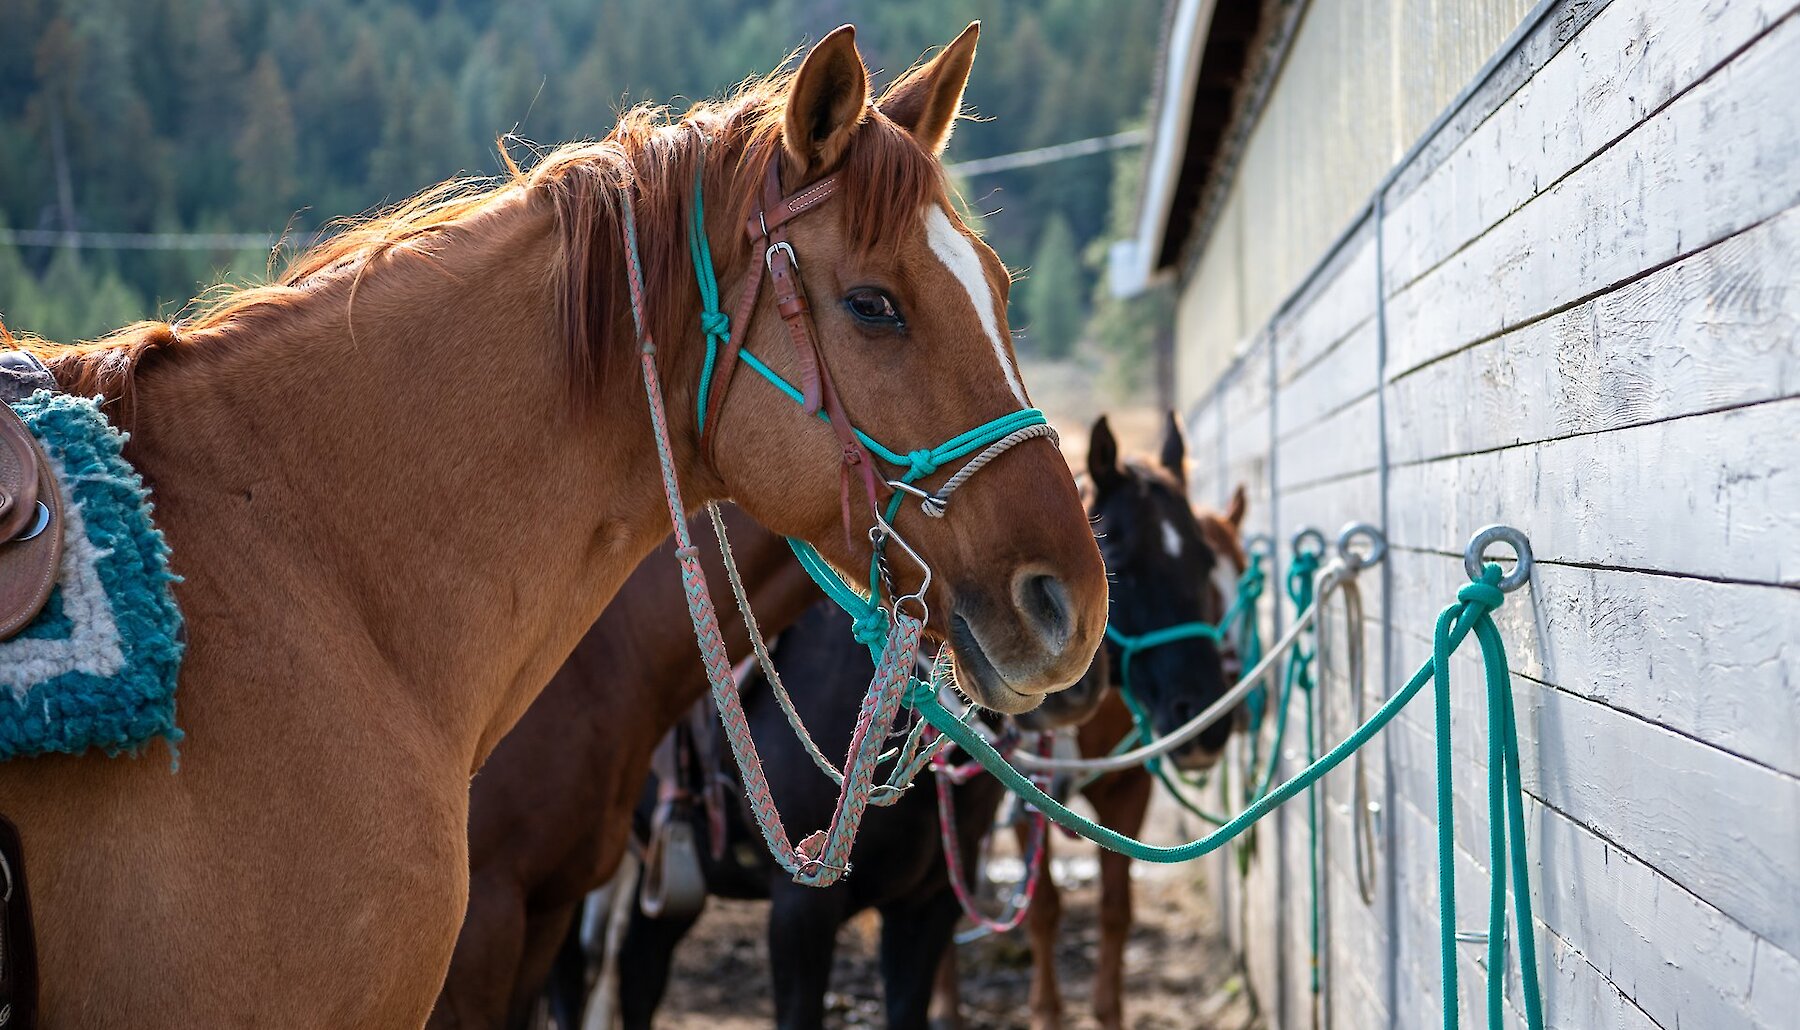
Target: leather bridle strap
[(767, 230)]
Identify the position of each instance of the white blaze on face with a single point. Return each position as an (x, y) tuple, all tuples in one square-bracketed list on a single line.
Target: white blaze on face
[(958, 255), (1171, 539), (1226, 583)]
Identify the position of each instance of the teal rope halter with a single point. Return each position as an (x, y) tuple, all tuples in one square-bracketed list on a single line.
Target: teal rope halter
[(916, 465), (1241, 615)]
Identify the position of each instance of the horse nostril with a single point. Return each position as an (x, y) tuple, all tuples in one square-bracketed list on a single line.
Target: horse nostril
[(1044, 602)]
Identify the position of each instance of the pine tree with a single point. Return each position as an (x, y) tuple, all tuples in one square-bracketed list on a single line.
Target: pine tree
[(266, 149), (1053, 291), (21, 302)]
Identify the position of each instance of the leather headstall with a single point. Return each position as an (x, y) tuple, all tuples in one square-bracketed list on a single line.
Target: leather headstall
[(767, 229)]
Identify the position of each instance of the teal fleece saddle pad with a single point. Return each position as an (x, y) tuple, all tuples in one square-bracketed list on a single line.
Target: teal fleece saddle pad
[(97, 667)]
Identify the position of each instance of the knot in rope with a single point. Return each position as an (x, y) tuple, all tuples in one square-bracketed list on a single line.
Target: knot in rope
[(1484, 593), (1250, 584), (919, 464), (1300, 578), (1303, 660), (870, 629), (918, 692), (715, 323)]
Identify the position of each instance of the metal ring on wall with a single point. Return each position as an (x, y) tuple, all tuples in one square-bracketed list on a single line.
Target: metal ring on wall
[(1474, 554)]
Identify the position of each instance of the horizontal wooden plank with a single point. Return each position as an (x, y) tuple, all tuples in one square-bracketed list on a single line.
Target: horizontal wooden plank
[(1344, 374), (1328, 506), (1346, 442), (1246, 391), (1774, 986), (1632, 59), (1575, 993), (1678, 958), (1715, 162), (1709, 821), (1710, 660), (1336, 308), (1561, 22), (1717, 329), (1719, 826), (1682, 961), (1714, 495)]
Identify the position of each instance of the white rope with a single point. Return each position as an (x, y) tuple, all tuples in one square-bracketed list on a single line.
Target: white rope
[(1331, 576), (935, 503)]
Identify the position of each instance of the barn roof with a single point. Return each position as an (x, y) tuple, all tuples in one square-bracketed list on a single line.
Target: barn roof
[(1211, 60)]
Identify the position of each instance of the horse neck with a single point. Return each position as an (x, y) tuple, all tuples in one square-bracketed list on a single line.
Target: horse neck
[(641, 656), (410, 479)]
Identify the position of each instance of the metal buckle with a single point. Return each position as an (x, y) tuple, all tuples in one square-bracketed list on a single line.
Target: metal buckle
[(769, 257)]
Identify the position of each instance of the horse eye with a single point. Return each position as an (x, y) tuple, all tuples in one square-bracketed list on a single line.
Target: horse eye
[(874, 307)]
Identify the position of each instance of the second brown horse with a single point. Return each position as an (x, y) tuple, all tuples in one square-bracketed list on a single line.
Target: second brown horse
[(550, 812)]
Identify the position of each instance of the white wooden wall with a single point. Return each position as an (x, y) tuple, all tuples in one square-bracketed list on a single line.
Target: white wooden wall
[(1591, 293)]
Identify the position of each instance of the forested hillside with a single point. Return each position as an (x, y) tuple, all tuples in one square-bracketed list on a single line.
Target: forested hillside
[(250, 116)]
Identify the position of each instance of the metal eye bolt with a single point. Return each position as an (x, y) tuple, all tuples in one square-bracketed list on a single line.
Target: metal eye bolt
[(1312, 534), (1475, 554), (1378, 545)]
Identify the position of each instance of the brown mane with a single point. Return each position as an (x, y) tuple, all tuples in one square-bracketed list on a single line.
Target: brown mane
[(885, 179)]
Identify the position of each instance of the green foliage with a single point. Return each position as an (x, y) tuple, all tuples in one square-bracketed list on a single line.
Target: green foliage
[(1127, 330), (1051, 294), (252, 116)]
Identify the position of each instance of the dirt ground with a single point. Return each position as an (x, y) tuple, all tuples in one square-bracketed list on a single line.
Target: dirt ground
[(1179, 974)]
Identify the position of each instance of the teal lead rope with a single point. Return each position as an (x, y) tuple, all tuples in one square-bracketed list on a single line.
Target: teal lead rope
[(1472, 612), (1301, 581)]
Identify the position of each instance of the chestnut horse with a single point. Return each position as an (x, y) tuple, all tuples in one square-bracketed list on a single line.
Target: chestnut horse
[(1169, 565), (550, 812), (404, 480)]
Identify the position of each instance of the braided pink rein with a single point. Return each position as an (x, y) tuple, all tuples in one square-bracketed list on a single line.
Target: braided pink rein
[(948, 777), (823, 856)]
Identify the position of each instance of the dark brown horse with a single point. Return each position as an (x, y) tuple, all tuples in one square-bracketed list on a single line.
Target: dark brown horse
[(403, 481), (899, 860), (1170, 564)]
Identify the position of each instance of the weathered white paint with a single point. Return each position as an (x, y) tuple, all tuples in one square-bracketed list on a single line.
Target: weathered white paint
[(1593, 315), (1633, 59), (1710, 495), (958, 255), (1716, 161), (1715, 330), (1712, 661)]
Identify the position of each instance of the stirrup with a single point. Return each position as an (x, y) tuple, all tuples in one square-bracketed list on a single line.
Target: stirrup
[(674, 884)]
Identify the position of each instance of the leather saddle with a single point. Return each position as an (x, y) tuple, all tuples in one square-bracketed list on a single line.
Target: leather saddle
[(31, 512)]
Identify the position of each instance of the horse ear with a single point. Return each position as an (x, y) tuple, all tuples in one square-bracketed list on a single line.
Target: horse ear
[(1174, 450), (1103, 454), (926, 100), (1234, 511), (825, 104)]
